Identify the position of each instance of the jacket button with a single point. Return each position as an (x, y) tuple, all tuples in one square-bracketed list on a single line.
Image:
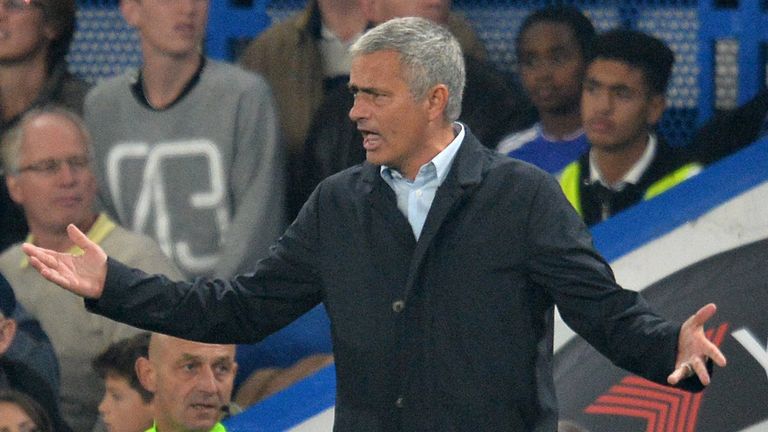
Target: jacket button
[(398, 306), (400, 402)]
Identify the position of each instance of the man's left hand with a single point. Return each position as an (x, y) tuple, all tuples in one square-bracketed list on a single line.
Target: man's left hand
[(694, 349)]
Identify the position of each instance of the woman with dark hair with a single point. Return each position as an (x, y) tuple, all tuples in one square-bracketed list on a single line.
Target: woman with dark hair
[(20, 413)]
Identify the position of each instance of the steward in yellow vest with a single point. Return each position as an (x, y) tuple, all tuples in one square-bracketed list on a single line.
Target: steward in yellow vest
[(595, 201)]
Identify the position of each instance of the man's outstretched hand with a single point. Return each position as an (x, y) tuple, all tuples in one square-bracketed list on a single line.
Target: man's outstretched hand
[(694, 349), (83, 275)]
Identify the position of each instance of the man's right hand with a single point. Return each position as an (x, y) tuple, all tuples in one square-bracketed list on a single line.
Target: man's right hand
[(83, 275)]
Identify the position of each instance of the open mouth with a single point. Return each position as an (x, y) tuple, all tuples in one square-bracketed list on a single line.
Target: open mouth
[(202, 407), (371, 141)]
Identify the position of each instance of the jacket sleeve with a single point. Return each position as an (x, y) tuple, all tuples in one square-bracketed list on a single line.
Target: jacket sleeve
[(245, 309), (258, 185), (616, 322)]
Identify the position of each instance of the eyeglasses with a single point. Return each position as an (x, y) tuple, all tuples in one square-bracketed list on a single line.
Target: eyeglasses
[(52, 166), (19, 5)]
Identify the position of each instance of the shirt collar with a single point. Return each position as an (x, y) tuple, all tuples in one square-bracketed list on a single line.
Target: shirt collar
[(327, 34), (137, 88), (98, 232), (442, 161), (633, 175)]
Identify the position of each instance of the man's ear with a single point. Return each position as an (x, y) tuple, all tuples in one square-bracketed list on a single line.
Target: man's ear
[(7, 333), (51, 32), (656, 107), (437, 100), (14, 190), (130, 11), (146, 374)]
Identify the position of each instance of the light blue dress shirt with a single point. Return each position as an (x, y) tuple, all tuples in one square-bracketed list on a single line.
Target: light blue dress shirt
[(414, 198)]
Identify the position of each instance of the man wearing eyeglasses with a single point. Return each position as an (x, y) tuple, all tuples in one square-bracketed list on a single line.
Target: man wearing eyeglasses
[(34, 39), (47, 158)]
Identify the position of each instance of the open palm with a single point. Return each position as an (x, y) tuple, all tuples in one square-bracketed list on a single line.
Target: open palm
[(695, 350), (83, 275)]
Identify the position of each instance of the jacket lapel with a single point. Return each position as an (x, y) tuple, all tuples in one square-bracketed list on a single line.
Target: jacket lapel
[(383, 206), (466, 173)]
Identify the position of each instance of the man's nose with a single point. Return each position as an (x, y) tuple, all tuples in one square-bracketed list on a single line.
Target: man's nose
[(187, 6), (542, 71), (603, 101), (207, 381), (103, 406), (355, 113), (67, 174)]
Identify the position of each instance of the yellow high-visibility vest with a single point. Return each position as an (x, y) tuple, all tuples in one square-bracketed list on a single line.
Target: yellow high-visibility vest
[(569, 182)]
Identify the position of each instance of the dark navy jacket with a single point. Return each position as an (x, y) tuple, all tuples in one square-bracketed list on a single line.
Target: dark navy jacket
[(450, 333)]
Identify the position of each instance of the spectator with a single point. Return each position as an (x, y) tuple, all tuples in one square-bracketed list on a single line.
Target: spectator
[(302, 58), (192, 383), (18, 375), (731, 130), (126, 405), (490, 105), (20, 413), (32, 347), (33, 72), (623, 99), (552, 47), (439, 11), (439, 262), (187, 148), (48, 156)]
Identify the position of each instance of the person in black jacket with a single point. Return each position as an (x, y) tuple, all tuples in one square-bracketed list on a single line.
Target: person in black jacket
[(493, 104), (438, 260), (730, 131), (622, 101)]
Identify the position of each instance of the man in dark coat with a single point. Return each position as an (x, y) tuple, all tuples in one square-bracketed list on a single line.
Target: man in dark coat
[(492, 103), (439, 263)]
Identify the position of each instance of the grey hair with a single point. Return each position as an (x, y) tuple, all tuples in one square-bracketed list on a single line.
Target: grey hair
[(429, 55), (13, 138)]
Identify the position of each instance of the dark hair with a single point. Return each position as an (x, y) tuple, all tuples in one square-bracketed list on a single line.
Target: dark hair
[(62, 15), (120, 359), (7, 298), (31, 408), (580, 25), (639, 50)]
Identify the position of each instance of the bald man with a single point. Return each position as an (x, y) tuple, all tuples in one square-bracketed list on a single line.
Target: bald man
[(192, 383)]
